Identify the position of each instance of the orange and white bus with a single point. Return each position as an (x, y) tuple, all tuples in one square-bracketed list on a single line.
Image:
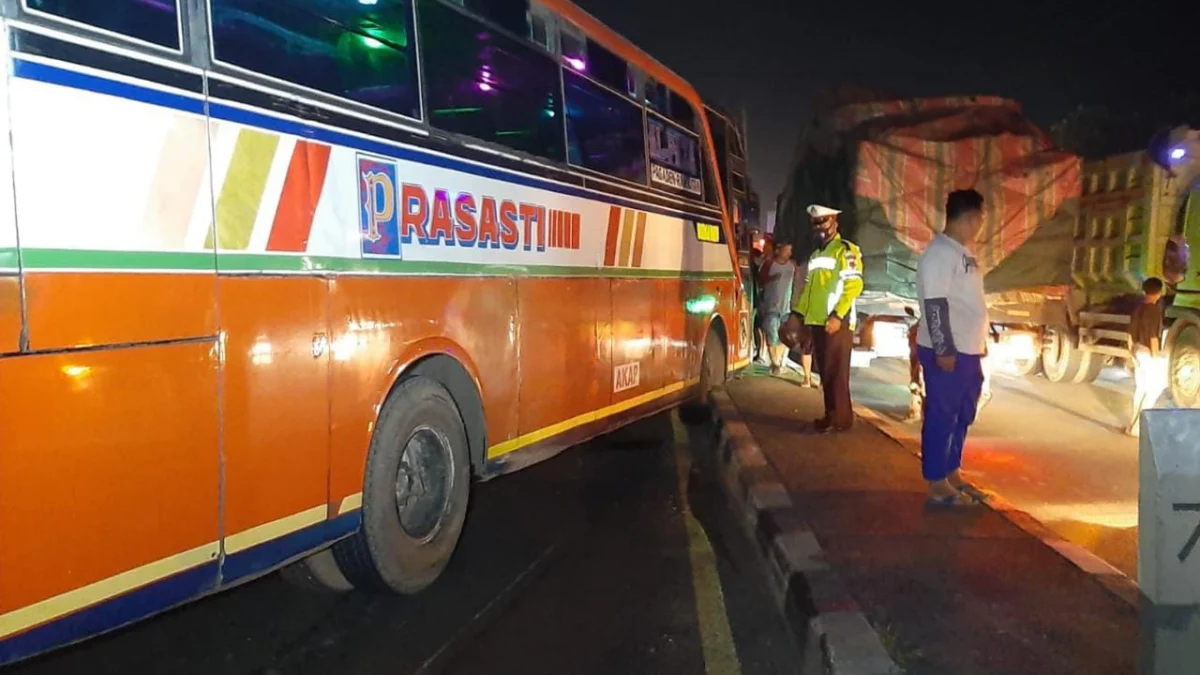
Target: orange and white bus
[(280, 278)]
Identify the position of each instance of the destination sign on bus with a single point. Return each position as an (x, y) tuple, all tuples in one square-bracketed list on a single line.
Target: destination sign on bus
[(674, 157), (709, 233)]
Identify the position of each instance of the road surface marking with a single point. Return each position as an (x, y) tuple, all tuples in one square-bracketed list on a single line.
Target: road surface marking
[(716, 638)]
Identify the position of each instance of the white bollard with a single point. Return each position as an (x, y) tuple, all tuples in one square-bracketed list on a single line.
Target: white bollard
[(1169, 542)]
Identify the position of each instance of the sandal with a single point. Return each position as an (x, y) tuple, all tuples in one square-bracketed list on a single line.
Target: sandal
[(951, 501), (972, 490)]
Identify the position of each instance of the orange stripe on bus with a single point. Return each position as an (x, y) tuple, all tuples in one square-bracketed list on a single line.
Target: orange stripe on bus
[(610, 244), (575, 231), (639, 239), (298, 203)]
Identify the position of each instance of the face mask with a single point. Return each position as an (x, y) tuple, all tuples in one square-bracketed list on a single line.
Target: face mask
[(822, 237)]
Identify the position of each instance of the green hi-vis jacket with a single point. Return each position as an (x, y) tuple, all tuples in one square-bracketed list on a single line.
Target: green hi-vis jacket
[(833, 283)]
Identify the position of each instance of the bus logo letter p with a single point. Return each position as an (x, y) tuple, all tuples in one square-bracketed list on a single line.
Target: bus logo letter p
[(378, 221)]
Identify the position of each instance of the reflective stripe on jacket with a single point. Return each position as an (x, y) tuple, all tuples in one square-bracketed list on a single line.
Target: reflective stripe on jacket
[(834, 282)]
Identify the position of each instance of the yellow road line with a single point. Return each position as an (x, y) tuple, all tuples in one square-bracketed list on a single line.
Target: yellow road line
[(254, 536), (579, 420), (716, 637), (66, 603)]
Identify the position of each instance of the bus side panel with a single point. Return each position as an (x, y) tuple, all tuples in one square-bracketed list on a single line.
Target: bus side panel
[(10, 286), (109, 466), (671, 329), (110, 184), (565, 371), (276, 418), (379, 322), (635, 357)]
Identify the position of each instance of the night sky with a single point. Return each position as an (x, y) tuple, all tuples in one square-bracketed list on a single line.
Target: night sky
[(774, 56)]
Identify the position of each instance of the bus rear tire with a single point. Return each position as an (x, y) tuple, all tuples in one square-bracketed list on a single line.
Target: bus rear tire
[(713, 370), (318, 573), (415, 492)]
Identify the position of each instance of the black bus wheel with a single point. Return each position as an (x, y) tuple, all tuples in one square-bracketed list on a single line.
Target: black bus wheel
[(415, 492)]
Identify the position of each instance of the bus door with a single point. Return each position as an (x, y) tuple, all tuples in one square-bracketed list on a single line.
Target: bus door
[(277, 348)]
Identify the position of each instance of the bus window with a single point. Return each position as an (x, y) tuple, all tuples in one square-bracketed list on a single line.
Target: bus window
[(607, 68), (720, 138), (656, 96), (604, 131), (485, 84), (738, 183), (511, 15), (154, 22), (356, 51), (681, 111), (674, 158)]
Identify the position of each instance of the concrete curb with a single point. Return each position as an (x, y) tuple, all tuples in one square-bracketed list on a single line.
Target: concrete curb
[(837, 637), (1113, 579)]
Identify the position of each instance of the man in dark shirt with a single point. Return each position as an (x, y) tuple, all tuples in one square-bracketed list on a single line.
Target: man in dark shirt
[(1149, 366)]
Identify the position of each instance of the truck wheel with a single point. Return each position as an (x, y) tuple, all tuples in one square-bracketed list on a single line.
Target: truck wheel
[(415, 492), (1027, 367), (318, 572), (1090, 369), (1061, 360), (1185, 367)]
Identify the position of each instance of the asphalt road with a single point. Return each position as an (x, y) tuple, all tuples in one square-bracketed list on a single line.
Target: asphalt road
[(618, 556), (1053, 450)]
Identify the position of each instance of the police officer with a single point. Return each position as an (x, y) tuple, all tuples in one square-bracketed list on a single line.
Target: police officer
[(834, 282)]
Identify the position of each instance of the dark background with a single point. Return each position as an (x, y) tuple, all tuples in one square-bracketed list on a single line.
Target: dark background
[(1131, 67)]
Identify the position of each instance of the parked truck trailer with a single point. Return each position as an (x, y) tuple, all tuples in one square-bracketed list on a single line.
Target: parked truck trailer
[(889, 165)]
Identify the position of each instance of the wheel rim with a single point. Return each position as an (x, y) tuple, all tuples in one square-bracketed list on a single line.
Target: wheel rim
[(423, 482), (1186, 374)]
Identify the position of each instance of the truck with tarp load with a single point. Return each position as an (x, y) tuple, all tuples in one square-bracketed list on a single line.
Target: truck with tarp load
[(889, 164)]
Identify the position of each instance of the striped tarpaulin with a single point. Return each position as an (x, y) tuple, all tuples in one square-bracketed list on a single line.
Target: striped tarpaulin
[(910, 155)]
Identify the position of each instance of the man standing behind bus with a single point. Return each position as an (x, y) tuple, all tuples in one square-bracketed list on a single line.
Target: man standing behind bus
[(777, 296), (834, 282)]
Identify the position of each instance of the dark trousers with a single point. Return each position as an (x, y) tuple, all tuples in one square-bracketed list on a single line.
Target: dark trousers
[(832, 354), (951, 401)]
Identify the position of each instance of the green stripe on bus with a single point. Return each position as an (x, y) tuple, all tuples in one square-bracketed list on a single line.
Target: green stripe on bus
[(70, 259), (8, 258)]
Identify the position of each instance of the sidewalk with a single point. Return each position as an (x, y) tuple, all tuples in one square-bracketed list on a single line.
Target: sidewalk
[(949, 592)]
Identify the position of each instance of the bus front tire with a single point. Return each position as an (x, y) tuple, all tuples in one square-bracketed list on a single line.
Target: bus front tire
[(415, 492)]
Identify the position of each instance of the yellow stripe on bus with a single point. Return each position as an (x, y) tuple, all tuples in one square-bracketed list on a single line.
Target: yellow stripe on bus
[(254, 536), (542, 434), (626, 238), (242, 193), (351, 503), (71, 601)]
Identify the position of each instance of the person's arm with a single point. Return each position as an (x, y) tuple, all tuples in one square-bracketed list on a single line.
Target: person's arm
[(933, 284), (1155, 338), (852, 281)]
